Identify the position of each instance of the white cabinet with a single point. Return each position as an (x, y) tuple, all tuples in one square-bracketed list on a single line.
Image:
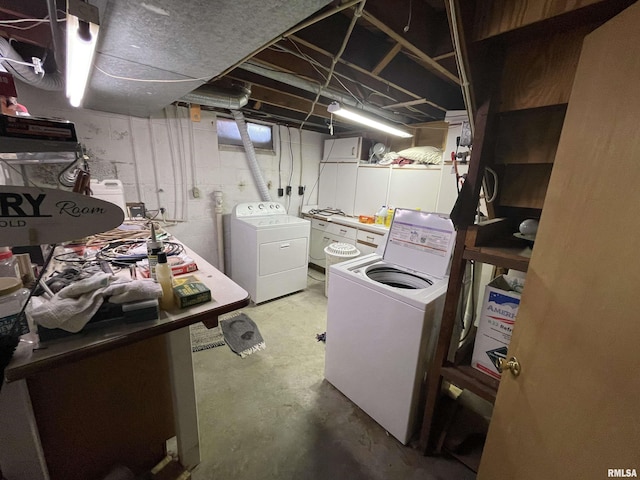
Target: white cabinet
[(337, 186), (415, 188), (368, 242), (345, 149), (324, 233), (372, 187)]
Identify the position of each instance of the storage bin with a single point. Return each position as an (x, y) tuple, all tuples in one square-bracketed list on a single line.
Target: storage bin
[(336, 253)]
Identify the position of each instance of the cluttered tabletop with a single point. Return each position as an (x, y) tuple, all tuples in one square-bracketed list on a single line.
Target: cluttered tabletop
[(96, 296)]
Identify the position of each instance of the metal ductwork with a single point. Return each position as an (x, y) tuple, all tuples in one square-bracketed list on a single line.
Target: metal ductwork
[(311, 87), (26, 74), (212, 96)]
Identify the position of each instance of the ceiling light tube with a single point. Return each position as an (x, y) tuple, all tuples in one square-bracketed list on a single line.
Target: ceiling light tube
[(354, 116), (82, 37)]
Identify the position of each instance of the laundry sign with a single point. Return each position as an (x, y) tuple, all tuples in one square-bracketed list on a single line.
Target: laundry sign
[(37, 216)]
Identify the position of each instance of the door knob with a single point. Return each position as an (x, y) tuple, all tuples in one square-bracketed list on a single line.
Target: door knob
[(513, 365)]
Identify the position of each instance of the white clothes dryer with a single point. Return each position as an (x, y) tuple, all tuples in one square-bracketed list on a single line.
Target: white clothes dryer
[(269, 250), (383, 318)]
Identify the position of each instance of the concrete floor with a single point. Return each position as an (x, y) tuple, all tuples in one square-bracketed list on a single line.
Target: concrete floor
[(273, 416)]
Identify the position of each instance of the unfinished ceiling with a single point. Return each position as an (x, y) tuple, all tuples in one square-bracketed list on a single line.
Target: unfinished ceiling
[(392, 58)]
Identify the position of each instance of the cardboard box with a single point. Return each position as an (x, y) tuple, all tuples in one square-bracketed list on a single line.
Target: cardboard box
[(496, 320), (189, 290)]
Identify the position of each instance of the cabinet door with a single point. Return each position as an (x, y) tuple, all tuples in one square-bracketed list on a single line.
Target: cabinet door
[(342, 232), (346, 180), (319, 240), (414, 188), (327, 185), (342, 149), (371, 189)]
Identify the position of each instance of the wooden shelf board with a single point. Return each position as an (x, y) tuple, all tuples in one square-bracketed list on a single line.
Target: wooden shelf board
[(516, 258), (467, 377)]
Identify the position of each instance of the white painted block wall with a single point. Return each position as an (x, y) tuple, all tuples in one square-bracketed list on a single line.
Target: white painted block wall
[(153, 159)]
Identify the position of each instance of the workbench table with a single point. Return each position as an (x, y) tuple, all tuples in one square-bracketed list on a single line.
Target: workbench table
[(82, 403)]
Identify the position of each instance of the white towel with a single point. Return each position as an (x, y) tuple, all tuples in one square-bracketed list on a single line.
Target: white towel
[(70, 314), (72, 307), (133, 291)]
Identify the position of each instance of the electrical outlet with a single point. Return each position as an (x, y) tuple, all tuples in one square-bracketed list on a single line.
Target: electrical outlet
[(196, 192)]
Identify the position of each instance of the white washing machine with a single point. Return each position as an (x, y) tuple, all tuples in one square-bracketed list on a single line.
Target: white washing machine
[(383, 319), (269, 250)]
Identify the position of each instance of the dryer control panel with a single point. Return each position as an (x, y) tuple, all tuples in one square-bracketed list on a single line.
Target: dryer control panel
[(258, 209)]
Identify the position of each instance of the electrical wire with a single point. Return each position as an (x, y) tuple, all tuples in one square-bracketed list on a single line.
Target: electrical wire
[(290, 171), (464, 81), (356, 14), (279, 157), (118, 77), (319, 173), (485, 185), (313, 64), (120, 252), (408, 25)]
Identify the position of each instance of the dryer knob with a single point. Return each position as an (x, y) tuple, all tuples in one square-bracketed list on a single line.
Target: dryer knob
[(272, 205), (250, 207), (261, 206)]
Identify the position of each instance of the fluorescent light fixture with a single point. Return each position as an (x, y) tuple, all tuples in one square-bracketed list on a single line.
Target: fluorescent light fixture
[(82, 37), (357, 117)]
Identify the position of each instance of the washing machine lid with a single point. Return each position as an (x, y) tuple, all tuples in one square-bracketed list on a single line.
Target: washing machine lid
[(420, 241)]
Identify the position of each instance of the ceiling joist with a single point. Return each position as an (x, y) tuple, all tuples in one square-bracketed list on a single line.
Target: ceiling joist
[(433, 65), (387, 58)]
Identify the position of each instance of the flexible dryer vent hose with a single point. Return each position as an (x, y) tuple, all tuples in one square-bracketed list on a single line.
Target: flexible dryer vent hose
[(265, 196)]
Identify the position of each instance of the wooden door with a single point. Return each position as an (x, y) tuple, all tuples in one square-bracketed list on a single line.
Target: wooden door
[(574, 411)]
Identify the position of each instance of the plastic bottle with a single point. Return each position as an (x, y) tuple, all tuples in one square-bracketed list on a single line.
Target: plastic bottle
[(154, 247), (165, 278), (381, 216), (389, 217), (12, 299), (8, 265)]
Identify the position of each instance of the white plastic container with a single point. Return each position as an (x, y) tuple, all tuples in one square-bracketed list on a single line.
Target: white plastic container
[(336, 253), (111, 191), (12, 298), (8, 264)]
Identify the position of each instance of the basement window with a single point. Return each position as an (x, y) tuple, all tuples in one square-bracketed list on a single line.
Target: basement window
[(260, 135)]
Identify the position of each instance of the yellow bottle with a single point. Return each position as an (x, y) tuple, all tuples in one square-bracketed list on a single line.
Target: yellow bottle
[(164, 277), (389, 217)]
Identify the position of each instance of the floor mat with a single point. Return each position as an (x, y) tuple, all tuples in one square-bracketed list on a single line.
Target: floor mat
[(241, 334), (203, 338)]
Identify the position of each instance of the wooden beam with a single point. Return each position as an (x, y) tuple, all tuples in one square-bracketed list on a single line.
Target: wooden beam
[(386, 59), (411, 103), (354, 67), (430, 62), (271, 96), (444, 56)]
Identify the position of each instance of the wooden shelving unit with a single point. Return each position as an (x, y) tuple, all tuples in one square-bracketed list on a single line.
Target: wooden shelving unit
[(521, 57)]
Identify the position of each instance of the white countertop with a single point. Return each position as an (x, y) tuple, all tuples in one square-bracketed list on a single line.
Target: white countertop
[(347, 221)]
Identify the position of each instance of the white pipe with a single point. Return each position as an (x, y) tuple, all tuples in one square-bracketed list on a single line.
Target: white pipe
[(219, 209), (265, 196)]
